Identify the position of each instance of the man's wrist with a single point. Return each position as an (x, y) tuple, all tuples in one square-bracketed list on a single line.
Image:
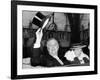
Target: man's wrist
[(36, 45)]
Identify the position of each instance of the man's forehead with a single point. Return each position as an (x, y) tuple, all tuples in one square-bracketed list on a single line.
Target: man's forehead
[(52, 42)]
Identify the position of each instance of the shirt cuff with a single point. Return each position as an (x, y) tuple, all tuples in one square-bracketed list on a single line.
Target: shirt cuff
[(36, 45)]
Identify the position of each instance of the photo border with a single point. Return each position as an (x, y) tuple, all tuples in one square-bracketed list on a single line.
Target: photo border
[(14, 5)]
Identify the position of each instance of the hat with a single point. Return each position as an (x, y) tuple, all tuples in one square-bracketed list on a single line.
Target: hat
[(78, 46), (39, 19)]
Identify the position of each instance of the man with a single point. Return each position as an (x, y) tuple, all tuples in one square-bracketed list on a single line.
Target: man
[(49, 56)]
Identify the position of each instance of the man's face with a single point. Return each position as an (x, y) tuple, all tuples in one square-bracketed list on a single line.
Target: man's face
[(52, 46)]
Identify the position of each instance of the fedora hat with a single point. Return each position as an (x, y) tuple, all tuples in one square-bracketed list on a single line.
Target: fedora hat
[(40, 19)]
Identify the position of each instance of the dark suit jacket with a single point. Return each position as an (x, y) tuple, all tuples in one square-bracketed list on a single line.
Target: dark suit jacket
[(41, 57)]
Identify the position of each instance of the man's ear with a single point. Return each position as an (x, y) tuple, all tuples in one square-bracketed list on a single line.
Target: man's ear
[(58, 46)]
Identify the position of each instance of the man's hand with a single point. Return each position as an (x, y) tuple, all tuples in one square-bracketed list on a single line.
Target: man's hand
[(39, 34)]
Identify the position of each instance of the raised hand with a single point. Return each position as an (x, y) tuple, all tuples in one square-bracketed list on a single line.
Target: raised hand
[(39, 34)]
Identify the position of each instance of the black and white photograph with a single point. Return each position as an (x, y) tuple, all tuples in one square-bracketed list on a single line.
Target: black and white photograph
[(53, 39)]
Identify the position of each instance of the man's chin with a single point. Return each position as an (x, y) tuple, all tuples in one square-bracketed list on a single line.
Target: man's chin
[(53, 53)]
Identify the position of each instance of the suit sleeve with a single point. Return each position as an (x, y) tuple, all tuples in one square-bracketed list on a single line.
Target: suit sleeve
[(35, 56)]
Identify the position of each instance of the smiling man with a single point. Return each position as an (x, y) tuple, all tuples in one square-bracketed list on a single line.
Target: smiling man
[(49, 56)]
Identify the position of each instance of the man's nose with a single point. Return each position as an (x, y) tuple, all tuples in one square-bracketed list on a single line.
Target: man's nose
[(53, 48)]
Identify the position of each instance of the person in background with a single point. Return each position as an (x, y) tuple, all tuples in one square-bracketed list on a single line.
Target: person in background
[(77, 56)]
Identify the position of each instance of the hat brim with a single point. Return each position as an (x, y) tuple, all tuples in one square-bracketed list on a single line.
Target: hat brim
[(78, 46)]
